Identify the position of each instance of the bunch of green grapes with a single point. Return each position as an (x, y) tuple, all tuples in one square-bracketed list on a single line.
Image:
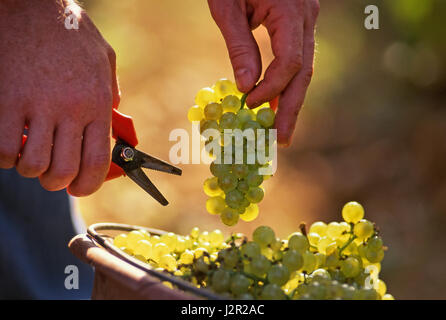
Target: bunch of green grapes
[(234, 189), (339, 260)]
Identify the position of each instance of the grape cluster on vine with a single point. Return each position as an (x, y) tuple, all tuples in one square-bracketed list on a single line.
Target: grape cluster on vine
[(239, 140), (339, 260)]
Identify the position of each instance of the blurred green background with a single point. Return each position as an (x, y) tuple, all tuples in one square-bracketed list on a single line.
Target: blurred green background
[(373, 128)]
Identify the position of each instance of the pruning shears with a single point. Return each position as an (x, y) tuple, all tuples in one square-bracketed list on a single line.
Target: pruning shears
[(129, 161)]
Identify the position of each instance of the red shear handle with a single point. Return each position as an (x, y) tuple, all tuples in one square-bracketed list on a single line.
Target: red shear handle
[(274, 103), (122, 128)]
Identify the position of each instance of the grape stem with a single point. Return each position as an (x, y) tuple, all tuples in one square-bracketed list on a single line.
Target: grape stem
[(353, 237), (243, 100)]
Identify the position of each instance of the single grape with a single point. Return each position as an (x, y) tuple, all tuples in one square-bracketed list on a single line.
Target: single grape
[(234, 198), (250, 249), (293, 260), (120, 240), (265, 117), (297, 241), (310, 262), (228, 121), (350, 267), (332, 261), (272, 292), (375, 243), (363, 229), (213, 111), (254, 179), (215, 205), (259, 265), (239, 284), (229, 216), (227, 182), (211, 188), (143, 248), (220, 281), (219, 169), (195, 113), (318, 227), (240, 170), (251, 212), (352, 212), (381, 287), (229, 258), (231, 104), (278, 274), (208, 125), (263, 235), (204, 96), (374, 256), (255, 195), (224, 87), (245, 115), (243, 186), (168, 262)]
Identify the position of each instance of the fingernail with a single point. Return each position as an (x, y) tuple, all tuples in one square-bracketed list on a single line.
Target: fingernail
[(243, 78)]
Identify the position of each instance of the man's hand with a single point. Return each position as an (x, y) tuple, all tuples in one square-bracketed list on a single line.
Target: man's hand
[(61, 83), (290, 24)]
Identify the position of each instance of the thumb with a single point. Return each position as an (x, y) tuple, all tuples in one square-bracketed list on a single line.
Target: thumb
[(242, 47)]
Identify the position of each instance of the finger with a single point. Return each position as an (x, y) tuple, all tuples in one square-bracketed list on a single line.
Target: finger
[(36, 154), (285, 26), (292, 98), (65, 157), (11, 130), (115, 84), (242, 47), (95, 159)]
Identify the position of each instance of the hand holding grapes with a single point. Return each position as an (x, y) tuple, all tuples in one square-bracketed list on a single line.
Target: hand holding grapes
[(290, 24)]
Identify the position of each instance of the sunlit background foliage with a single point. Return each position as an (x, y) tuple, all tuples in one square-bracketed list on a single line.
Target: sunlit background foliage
[(373, 128)]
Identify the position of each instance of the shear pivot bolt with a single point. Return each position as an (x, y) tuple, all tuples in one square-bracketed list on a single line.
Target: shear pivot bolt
[(127, 154)]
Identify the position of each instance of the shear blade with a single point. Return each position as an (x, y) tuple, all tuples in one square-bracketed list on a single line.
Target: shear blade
[(144, 182), (159, 165)]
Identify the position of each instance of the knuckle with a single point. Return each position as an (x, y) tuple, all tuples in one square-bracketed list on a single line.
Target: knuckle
[(295, 62), (104, 96), (32, 168), (238, 51), (307, 76)]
